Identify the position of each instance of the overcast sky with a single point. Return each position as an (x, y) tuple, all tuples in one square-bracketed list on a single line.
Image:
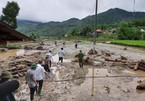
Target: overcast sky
[(60, 10)]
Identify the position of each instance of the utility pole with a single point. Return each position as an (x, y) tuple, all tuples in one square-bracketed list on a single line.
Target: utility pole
[(134, 9), (95, 23), (95, 35)]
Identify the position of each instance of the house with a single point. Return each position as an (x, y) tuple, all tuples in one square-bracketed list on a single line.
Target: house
[(8, 34)]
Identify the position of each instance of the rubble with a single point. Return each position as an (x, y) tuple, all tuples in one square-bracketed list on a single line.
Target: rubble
[(92, 51)]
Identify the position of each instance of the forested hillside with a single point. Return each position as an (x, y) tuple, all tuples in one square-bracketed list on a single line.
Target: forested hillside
[(112, 16)]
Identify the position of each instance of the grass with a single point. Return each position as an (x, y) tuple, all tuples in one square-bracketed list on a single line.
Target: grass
[(134, 43), (12, 46), (102, 37)]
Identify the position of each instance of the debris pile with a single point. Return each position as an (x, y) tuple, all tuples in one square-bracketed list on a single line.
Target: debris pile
[(3, 49), (140, 65), (21, 64), (92, 51)]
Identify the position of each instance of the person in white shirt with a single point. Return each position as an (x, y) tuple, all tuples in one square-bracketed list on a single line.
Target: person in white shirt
[(61, 55), (49, 58), (39, 76)]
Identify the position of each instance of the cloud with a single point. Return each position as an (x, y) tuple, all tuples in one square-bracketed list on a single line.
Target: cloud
[(60, 10)]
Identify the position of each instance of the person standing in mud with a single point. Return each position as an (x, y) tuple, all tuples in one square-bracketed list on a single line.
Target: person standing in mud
[(31, 80), (49, 55), (55, 43), (81, 58), (39, 77), (61, 55), (76, 45), (46, 64), (63, 43)]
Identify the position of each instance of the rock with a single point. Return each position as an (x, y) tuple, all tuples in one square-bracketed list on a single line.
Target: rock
[(125, 48), (16, 76), (136, 66), (28, 47), (3, 50), (39, 48), (86, 60), (123, 58), (20, 74), (141, 87), (96, 63)]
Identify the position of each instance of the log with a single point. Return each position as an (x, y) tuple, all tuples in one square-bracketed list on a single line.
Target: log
[(109, 59), (136, 66), (125, 48), (20, 75), (16, 76)]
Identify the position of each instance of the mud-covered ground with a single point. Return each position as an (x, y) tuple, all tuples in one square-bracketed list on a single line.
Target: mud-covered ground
[(105, 81)]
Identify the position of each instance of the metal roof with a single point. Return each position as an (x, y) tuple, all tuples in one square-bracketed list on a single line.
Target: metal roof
[(8, 33)]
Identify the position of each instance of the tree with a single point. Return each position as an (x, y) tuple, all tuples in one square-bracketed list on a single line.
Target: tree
[(128, 32), (85, 31), (10, 13), (34, 36)]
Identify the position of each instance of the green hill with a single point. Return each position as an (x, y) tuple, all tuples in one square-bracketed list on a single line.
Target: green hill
[(111, 16)]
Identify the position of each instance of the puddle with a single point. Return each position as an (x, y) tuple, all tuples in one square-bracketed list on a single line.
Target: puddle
[(140, 91), (16, 52), (9, 53), (139, 73)]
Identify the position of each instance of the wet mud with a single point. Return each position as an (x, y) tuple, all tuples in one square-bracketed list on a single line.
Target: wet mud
[(68, 82)]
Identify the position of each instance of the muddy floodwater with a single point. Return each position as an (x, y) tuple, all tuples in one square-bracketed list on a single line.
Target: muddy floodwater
[(68, 82), (8, 53)]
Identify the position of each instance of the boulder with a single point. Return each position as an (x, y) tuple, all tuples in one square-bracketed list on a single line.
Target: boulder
[(28, 47), (141, 87), (39, 48)]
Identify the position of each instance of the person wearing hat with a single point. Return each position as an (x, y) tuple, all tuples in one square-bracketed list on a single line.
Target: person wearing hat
[(31, 80), (5, 76), (80, 58)]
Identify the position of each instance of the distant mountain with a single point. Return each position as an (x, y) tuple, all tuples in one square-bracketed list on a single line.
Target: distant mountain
[(26, 26), (111, 16)]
